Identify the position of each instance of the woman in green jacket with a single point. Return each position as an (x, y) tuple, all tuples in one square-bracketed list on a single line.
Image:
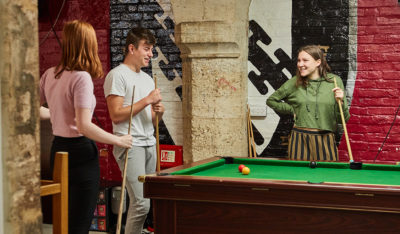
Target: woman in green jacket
[(311, 97)]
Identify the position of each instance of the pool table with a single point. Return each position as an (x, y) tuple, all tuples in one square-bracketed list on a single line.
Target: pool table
[(212, 196)]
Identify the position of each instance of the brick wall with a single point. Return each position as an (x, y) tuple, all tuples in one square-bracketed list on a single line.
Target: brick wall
[(50, 52), (376, 91)]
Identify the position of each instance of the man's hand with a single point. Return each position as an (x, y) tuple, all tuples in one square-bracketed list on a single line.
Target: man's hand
[(154, 96), (158, 108)]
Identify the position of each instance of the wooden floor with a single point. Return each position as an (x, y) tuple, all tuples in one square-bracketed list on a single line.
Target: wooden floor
[(48, 229)]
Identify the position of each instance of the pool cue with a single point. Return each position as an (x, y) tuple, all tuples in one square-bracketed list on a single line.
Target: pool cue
[(344, 124), (125, 169), (252, 139), (248, 130), (253, 154), (157, 135)]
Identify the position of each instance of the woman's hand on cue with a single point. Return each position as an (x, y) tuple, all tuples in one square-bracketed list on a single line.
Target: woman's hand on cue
[(339, 94), (125, 141)]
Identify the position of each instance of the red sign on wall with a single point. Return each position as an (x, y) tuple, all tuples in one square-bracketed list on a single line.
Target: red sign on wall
[(170, 156)]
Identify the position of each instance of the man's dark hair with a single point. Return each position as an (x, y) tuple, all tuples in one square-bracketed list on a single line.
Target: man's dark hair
[(137, 34)]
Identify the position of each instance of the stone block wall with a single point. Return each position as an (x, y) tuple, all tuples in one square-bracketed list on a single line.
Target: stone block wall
[(20, 150)]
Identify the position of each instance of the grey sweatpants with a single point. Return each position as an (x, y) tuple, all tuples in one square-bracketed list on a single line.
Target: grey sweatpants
[(141, 161)]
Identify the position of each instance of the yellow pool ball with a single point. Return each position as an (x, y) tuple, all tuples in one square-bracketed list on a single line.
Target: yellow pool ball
[(245, 170)]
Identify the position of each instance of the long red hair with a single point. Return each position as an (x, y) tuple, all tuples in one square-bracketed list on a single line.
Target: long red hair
[(79, 50)]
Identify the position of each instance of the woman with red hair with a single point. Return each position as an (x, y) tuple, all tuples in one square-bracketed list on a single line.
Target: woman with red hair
[(68, 91)]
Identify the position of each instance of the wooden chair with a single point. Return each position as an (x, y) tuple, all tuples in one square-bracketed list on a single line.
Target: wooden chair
[(58, 188)]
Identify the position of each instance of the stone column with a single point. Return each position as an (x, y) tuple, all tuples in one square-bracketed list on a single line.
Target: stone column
[(19, 69), (213, 39)]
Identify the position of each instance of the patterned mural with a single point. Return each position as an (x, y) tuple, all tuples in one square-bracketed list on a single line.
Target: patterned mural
[(270, 65)]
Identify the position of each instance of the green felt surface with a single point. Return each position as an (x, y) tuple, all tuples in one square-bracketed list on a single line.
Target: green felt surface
[(299, 171)]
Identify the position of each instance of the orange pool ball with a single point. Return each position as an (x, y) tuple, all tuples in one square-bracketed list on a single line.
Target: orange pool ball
[(241, 166), (245, 170)]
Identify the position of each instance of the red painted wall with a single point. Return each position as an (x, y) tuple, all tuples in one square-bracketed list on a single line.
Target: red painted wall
[(376, 92), (49, 52)]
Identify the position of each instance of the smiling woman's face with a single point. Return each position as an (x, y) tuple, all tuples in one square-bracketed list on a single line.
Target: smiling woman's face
[(308, 66)]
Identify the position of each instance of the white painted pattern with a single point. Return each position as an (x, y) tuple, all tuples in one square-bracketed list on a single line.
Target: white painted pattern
[(275, 17)]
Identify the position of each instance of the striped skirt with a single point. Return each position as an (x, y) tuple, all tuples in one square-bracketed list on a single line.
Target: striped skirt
[(312, 145)]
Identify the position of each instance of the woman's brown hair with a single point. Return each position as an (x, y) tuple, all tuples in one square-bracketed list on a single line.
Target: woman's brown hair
[(323, 68), (79, 50)]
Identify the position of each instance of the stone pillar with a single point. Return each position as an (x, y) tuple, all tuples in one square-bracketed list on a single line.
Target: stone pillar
[(19, 69), (213, 39)]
